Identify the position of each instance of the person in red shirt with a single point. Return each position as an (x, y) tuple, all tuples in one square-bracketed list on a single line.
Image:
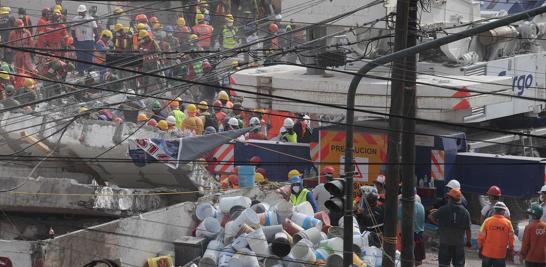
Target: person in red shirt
[(255, 134), (495, 237), (56, 34), (204, 32), (533, 245), (220, 115), (22, 38)]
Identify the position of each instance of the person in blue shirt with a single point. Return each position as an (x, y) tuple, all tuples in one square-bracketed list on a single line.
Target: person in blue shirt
[(301, 194), (418, 228)]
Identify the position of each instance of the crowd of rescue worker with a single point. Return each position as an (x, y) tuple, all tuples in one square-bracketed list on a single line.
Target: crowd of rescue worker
[(495, 240), (37, 55)]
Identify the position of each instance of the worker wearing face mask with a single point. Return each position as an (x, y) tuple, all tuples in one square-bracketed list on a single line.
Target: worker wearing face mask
[(287, 133), (299, 194)]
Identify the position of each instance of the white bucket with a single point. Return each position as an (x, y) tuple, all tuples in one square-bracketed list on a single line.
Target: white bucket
[(334, 260), (356, 229), (205, 210), (284, 209), (210, 257), (258, 242), (210, 227), (332, 245), (245, 258), (321, 254), (305, 221), (260, 207), (305, 208), (248, 216), (269, 217), (231, 230), (240, 243), (312, 234), (226, 203), (303, 251), (361, 240), (270, 231)]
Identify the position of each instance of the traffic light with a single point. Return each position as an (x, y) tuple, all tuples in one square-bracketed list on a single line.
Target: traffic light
[(337, 190)]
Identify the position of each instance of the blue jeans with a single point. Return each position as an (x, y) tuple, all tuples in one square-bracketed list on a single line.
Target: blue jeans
[(86, 54), (489, 262), (451, 255)]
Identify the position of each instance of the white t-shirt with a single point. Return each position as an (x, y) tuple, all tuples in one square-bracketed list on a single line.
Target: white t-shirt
[(488, 207), (84, 32), (321, 195)]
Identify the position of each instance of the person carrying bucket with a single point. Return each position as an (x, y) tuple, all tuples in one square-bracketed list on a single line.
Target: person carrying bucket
[(299, 194)]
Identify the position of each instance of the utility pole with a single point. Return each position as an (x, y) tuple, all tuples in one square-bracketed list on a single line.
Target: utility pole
[(395, 135), (389, 241), (408, 144)]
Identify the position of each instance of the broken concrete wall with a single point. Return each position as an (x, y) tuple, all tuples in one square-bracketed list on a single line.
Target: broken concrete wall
[(132, 240), (19, 252)]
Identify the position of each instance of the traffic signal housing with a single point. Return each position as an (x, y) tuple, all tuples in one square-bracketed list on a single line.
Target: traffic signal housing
[(336, 188)]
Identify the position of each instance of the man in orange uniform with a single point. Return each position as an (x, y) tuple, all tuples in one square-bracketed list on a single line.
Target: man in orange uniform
[(533, 245), (56, 33), (22, 38), (204, 32), (495, 236)]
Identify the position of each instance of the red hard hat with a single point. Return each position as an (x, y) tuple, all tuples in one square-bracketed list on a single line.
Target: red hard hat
[(255, 160), (328, 169), (141, 18), (494, 191), (19, 23), (273, 27), (217, 104)]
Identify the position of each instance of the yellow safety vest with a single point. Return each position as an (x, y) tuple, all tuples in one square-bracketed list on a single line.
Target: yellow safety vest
[(302, 197), (179, 116), (291, 138), (229, 40)]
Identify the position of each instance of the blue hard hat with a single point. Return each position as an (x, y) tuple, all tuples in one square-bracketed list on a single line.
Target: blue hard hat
[(169, 28), (295, 180)]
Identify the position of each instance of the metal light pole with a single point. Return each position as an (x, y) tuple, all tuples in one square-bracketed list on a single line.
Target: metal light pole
[(349, 129)]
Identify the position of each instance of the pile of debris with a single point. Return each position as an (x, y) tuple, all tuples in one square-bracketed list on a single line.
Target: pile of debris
[(249, 233)]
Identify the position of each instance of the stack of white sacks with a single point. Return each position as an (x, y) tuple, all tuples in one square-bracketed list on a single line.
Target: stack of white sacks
[(275, 235)]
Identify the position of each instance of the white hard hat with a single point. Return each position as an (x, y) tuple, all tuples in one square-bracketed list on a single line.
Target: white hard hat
[(500, 205), (254, 121), (171, 120), (380, 179), (288, 123), (82, 8), (454, 184), (233, 122), (542, 189), (306, 117)]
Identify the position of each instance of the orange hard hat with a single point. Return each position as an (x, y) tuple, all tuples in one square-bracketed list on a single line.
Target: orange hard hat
[(142, 117), (455, 194), (69, 40), (273, 27), (141, 18), (494, 191)]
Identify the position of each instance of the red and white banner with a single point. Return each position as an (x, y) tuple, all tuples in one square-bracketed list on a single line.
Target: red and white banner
[(437, 160), (225, 155)]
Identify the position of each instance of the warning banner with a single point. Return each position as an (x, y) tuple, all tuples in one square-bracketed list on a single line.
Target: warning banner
[(369, 153)]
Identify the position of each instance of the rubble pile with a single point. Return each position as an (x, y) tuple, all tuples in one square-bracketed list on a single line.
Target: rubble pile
[(247, 233)]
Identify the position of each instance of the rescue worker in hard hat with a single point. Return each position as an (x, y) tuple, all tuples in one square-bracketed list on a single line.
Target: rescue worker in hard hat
[(26, 93), (157, 29), (300, 194), (256, 133), (193, 123), (6, 22), (208, 119), (542, 198), (170, 40), (150, 61), (224, 98), (56, 70), (103, 45), (42, 27), (142, 18), (202, 11), (320, 193), (84, 37), (139, 27), (5, 81), (233, 124), (26, 19), (493, 194), (120, 38), (496, 237), (183, 33), (115, 19), (219, 114), (158, 112), (533, 244), (177, 113), (203, 31), (56, 34), (163, 125), (22, 38), (229, 36), (287, 133)]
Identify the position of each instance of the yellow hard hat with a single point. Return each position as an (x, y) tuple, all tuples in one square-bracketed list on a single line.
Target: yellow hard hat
[(191, 108), (28, 82), (223, 96), (181, 21), (83, 109), (203, 105), (235, 63), (163, 125), (141, 26), (118, 10), (126, 29), (229, 18), (118, 27), (106, 33), (4, 11), (58, 9), (293, 173), (143, 34), (200, 17), (4, 75), (194, 37), (142, 117), (259, 178)]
